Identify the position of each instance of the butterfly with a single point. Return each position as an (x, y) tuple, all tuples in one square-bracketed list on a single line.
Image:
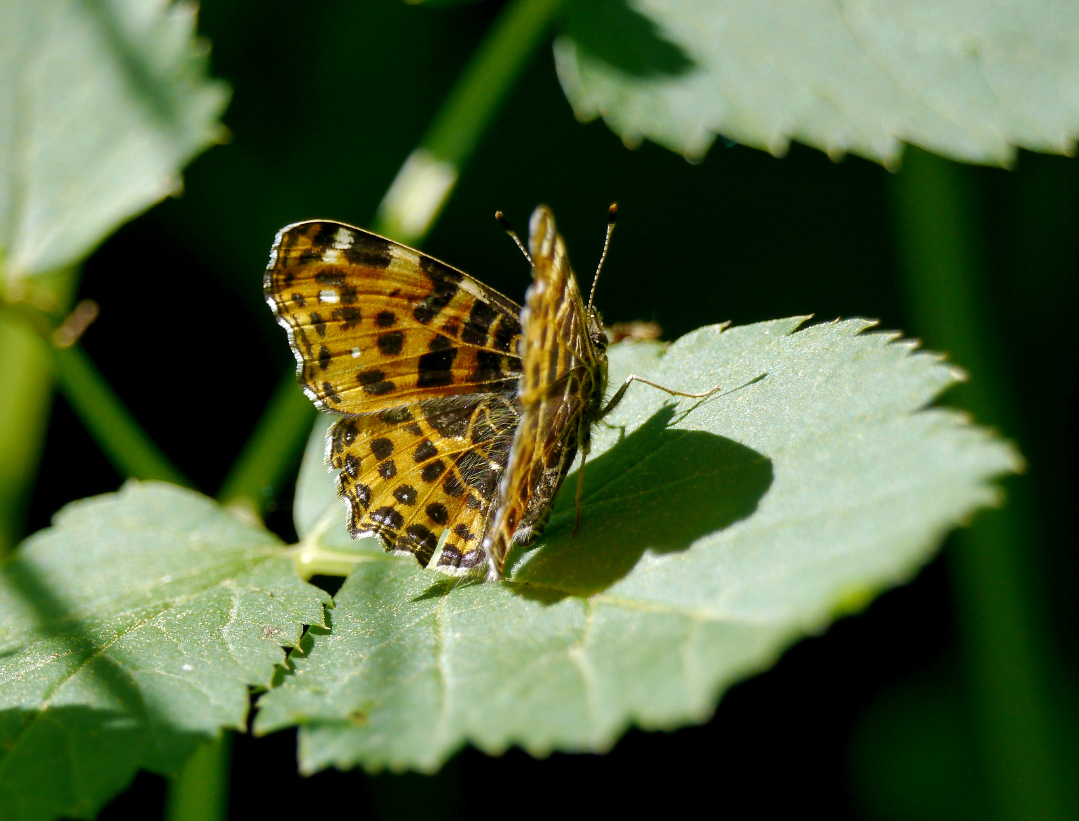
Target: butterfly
[(461, 412)]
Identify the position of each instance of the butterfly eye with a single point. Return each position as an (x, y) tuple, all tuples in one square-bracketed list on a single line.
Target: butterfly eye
[(599, 339)]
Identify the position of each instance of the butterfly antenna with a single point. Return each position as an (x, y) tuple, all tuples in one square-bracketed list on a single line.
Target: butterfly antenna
[(612, 218), (505, 223)]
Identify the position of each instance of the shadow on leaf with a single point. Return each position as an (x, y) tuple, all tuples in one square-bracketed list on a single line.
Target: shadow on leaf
[(618, 34), (658, 490)]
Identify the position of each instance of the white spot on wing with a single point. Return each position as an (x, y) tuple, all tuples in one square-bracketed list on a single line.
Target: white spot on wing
[(405, 257), (331, 255), (473, 288), (331, 296), (342, 239), (355, 353)]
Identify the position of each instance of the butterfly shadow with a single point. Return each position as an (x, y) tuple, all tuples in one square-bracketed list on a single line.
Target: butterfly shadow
[(658, 490)]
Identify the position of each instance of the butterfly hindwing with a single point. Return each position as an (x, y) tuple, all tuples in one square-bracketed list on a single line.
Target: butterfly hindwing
[(410, 473), (376, 325)]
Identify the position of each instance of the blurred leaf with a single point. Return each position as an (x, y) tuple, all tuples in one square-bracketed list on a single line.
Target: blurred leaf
[(713, 535), (129, 634), (101, 103), (967, 80)]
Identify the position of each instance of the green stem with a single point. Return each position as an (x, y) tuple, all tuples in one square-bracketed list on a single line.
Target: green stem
[(119, 435), (112, 426), (201, 791), (425, 181), (312, 560), (26, 383), (272, 449), (935, 209)]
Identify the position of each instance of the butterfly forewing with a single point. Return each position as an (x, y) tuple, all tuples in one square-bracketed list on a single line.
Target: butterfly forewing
[(376, 325), (423, 360), (562, 381)]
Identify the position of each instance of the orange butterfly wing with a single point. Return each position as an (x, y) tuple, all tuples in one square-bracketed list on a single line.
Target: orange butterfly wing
[(423, 361), (376, 325)]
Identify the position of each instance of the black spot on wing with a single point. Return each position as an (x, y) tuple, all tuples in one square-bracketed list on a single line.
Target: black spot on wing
[(405, 494), (387, 517), (418, 540), (324, 357), (444, 284), (362, 494), (390, 343), (329, 393), (330, 276), (505, 331), (479, 323), (348, 317), (382, 448), (374, 382), (424, 452), (437, 513), (385, 319), (369, 252), (440, 343), (453, 485), (488, 368), (477, 471), (434, 368), (432, 470), (352, 465)]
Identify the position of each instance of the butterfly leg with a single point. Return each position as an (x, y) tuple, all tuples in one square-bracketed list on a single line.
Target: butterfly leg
[(585, 438), (634, 378)]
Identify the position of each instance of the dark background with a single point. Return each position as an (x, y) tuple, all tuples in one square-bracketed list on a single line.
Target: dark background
[(870, 720)]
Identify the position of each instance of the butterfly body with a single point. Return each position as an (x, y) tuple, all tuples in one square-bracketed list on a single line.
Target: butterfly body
[(461, 412)]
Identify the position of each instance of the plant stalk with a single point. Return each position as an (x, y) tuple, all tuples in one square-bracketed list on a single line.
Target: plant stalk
[(119, 435), (272, 449), (201, 791), (427, 177), (935, 214)]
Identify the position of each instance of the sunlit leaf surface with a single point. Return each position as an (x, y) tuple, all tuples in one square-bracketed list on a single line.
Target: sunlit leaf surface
[(101, 104), (968, 80), (130, 632), (714, 534)]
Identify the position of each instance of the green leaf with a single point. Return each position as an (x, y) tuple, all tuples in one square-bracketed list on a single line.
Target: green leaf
[(130, 632), (101, 103), (713, 535), (971, 81)]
